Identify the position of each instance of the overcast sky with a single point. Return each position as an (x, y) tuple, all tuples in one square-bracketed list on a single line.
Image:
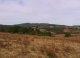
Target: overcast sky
[(40, 11)]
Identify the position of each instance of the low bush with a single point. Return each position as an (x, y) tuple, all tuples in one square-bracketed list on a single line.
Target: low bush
[(67, 34)]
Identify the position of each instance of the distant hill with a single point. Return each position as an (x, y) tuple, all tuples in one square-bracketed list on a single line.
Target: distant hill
[(38, 24), (43, 27), (34, 24), (41, 24)]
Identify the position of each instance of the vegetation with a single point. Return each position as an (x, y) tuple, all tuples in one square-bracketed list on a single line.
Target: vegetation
[(24, 30), (23, 42), (35, 29), (58, 30), (32, 46), (67, 34)]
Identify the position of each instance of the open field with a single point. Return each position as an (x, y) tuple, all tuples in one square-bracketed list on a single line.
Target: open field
[(32, 46)]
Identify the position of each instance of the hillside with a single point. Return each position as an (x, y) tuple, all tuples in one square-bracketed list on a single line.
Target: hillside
[(39, 28), (39, 40), (32, 46)]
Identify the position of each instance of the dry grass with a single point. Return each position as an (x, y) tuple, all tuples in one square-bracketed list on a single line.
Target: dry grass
[(31, 46)]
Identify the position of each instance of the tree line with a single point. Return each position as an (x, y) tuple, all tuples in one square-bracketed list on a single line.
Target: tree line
[(32, 31), (23, 30)]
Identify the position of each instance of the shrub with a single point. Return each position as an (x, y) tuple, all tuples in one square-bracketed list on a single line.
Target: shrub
[(45, 33), (67, 34)]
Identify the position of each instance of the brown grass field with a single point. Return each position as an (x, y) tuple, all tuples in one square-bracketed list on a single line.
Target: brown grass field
[(32, 46)]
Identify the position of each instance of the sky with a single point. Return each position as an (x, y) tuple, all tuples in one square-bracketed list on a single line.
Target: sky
[(65, 12)]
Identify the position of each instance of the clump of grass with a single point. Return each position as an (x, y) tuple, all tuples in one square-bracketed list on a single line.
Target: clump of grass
[(49, 51), (68, 49)]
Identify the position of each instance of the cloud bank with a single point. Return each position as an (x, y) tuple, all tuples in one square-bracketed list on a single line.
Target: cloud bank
[(40, 11)]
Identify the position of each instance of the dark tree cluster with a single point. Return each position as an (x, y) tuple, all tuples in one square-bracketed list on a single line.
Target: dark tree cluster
[(23, 30)]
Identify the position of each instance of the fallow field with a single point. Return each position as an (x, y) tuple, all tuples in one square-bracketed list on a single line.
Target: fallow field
[(32, 46)]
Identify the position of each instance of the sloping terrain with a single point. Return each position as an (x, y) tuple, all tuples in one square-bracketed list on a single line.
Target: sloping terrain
[(32, 46), (40, 29)]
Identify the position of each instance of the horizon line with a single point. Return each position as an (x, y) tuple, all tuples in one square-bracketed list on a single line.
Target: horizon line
[(39, 23)]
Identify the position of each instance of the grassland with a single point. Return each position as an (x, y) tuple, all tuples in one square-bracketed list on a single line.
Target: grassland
[(32, 46)]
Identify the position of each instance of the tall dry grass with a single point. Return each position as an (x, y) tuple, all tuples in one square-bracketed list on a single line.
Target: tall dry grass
[(32, 46)]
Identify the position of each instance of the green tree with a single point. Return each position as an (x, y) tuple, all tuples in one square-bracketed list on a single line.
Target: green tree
[(58, 30)]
